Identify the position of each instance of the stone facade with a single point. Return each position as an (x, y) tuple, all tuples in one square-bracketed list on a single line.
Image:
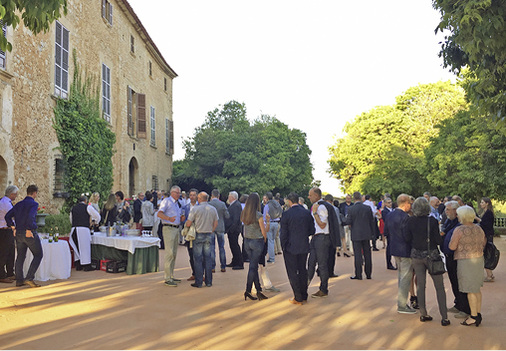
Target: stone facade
[(102, 32)]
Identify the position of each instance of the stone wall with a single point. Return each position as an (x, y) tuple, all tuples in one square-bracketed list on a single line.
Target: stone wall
[(28, 142)]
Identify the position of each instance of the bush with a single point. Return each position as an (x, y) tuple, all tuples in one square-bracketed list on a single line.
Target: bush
[(62, 221)]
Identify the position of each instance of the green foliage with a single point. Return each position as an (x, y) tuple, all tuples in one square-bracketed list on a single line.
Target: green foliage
[(468, 158), (230, 153), (382, 150), (60, 221), (477, 40), (86, 141), (37, 15)]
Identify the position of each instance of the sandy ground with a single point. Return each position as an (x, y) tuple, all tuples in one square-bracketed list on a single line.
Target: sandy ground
[(98, 310)]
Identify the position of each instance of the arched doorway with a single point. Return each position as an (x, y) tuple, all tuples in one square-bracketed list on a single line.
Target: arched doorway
[(133, 170), (3, 175)]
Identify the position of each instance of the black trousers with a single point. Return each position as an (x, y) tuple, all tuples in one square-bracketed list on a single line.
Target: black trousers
[(190, 253), (332, 259), (297, 274), (319, 254), (388, 254), (7, 253), (233, 241), (362, 248), (461, 301)]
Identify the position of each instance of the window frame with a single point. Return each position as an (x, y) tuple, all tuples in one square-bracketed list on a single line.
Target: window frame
[(152, 126), (106, 92), (62, 67)]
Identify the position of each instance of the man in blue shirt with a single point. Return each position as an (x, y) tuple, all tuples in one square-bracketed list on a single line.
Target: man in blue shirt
[(22, 220)]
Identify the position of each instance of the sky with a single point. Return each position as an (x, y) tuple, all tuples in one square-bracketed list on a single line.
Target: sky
[(314, 65)]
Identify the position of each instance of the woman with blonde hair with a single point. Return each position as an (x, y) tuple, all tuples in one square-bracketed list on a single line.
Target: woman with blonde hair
[(93, 202), (109, 211), (255, 236), (468, 241)]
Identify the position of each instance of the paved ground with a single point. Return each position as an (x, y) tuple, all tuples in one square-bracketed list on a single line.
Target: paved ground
[(97, 310)]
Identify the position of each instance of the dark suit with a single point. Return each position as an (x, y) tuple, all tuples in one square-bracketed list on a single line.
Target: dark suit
[(233, 227), (137, 210), (297, 225), (362, 223)]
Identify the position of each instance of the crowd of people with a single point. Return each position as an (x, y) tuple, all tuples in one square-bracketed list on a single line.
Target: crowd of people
[(414, 233)]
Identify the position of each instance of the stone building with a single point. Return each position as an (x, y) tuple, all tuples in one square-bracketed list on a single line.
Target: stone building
[(136, 98)]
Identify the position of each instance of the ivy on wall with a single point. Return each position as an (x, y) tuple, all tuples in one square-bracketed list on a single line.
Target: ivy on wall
[(86, 141)]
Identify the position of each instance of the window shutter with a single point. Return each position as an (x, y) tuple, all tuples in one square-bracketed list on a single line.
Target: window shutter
[(141, 116), (2, 53), (130, 119), (171, 137), (104, 4)]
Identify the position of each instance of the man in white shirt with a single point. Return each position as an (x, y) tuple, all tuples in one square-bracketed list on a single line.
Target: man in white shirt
[(7, 247)]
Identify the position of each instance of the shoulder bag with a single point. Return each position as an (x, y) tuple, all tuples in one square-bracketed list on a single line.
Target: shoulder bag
[(435, 264)]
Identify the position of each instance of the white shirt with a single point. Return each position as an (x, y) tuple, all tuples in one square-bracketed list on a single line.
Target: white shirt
[(94, 215), (5, 206), (371, 205), (170, 208), (324, 215)]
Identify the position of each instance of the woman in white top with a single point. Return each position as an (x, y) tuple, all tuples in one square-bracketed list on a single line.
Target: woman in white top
[(148, 212)]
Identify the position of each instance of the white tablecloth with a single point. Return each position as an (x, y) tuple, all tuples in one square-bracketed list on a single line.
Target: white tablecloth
[(55, 263), (128, 243)]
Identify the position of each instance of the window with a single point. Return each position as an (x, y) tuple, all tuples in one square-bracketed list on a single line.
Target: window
[(61, 61), (150, 66), (132, 44), (59, 172), (152, 124), (154, 182), (107, 11), (136, 114), (106, 92), (164, 84), (2, 54), (169, 137)]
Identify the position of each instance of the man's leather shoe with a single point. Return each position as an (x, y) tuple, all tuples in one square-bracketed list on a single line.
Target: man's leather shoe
[(357, 278), (392, 268), (191, 278), (32, 284), (223, 270), (20, 284), (214, 271), (195, 285), (230, 265), (6, 280), (369, 277), (235, 268), (295, 302), (375, 249)]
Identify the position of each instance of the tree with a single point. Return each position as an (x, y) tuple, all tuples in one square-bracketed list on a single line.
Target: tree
[(468, 157), (37, 15), (230, 153), (477, 40), (382, 150)]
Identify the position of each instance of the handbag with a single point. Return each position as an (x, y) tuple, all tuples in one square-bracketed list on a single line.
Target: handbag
[(435, 264), (491, 255)]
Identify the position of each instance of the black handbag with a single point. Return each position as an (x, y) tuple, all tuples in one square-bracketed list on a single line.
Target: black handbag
[(435, 264), (491, 255)]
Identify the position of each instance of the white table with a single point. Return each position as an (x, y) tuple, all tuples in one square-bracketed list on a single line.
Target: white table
[(55, 263), (128, 243)]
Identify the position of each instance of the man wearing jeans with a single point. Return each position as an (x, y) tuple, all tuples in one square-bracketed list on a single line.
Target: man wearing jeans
[(274, 225), (205, 218), (22, 220), (400, 248), (171, 217), (219, 234)]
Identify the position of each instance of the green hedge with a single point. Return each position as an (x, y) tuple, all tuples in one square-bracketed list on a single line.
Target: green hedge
[(62, 221)]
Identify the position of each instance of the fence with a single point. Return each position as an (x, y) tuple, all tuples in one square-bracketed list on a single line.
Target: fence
[(500, 222)]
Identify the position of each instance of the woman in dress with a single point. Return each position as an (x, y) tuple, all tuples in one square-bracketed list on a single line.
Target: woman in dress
[(468, 241), (109, 211), (418, 227), (255, 236), (94, 198), (148, 212), (487, 224)]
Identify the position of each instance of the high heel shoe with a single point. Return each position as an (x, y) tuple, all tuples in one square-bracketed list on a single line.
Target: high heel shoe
[(425, 318), (477, 321), (346, 255), (248, 295), (261, 296)]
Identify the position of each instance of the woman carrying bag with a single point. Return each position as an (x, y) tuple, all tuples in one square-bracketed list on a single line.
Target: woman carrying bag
[(423, 233)]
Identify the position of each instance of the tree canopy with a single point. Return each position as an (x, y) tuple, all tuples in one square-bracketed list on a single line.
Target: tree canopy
[(477, 40), (468, 157), (230, 153), (382, 149), (37, 15)]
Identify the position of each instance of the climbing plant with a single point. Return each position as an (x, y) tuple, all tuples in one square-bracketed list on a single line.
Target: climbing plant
[(86, 140)]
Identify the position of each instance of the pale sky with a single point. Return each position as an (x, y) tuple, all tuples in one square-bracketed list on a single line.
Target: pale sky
[(315, 65)]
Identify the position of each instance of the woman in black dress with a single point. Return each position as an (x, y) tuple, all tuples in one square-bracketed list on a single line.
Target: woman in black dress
[(487, 224)]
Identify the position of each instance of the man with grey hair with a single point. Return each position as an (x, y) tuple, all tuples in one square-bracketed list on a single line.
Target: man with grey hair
[(171, 216), (233, 227), (434, 204), (7, 247), (461, 303)]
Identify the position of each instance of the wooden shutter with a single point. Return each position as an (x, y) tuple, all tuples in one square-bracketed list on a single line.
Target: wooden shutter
[(110, 13), (2, 53), (104, 10), (171, 137), (130, 119), (141, 116)]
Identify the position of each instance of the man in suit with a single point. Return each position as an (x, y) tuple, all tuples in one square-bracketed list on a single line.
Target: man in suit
[(362, 224), (233, 228), (219, 233), (137, 209), (297, 225)]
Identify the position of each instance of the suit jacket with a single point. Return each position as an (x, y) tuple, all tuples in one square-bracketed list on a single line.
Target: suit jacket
[(137, 210), (233, 223), (297, 225), (395, 229), (335, 226), (223, 214), (362, 222)]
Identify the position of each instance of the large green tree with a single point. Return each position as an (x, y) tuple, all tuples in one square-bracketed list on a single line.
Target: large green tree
[(382, 149), (230, 153), (37, 15), (477, 39), (468, 157)]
